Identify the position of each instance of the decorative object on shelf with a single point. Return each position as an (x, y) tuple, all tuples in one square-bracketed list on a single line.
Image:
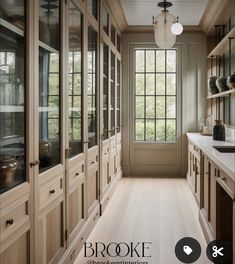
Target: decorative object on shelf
[(219, 131), (212, 88), (44, 149), (231, 81), (8, 165), (166, 27), (221, 83)]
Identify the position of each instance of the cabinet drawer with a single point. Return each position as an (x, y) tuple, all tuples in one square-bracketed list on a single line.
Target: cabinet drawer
[(76, 172), (14, 216), (93, 162), (105, 152), (50, 192), (113, 144), (226, 183)]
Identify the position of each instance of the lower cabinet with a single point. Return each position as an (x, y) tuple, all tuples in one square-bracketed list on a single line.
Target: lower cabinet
[(214, 191), (18, 252)]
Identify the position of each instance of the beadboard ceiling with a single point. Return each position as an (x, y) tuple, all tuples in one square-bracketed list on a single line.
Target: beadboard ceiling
[(140, 12)]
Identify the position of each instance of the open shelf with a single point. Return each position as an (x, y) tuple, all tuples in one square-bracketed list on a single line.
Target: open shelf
[(226, 93), (223, 45)]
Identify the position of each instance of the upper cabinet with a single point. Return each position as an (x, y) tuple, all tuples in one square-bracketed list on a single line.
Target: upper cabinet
[(105, 20), (113, 92), (92, 86), (105, 91), (75, 81), (12, 95), (49, 84)]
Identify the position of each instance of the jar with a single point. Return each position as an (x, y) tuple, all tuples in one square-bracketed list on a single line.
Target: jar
[(8, 165), (219, 131)]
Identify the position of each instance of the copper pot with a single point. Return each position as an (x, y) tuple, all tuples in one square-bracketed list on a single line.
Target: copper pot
[(8, 165)]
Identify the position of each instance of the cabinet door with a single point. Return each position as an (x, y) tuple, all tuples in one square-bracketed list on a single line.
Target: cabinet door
[(51, 236), (197, 179), (212, 193), (206, 189), (12, 94), (113, 93), (18, 252)]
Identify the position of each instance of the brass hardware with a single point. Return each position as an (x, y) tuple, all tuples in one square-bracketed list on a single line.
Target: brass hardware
[(35, 163), (9, 222), (52, 191)]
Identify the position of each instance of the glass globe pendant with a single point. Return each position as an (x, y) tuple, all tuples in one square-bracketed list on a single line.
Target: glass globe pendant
[(177, 28), (162, 30)]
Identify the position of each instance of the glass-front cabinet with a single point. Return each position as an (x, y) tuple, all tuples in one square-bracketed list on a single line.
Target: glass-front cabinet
[(49, 84), (12, 95), (118, 98), (105, 92), (92, 87), (75, 81), (113, 92)]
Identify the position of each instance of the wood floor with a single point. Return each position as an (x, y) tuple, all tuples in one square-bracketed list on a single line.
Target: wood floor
[(160, 211)]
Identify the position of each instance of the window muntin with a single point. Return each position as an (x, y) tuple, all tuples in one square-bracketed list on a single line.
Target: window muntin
[(155, 96)]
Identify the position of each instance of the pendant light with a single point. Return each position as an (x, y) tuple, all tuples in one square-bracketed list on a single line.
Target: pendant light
[(166, 27)]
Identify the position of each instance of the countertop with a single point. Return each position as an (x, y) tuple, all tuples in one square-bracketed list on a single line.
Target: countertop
[(225, 161)]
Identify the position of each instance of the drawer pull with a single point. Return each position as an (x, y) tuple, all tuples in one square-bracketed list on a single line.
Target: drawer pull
[(9, 222), (52, 191), (77, 174)]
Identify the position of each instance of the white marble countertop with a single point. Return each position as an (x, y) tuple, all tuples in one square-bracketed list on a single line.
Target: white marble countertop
[(225, 161)]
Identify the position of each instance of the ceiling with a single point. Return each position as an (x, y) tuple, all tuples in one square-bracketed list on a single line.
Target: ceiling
[(140, 12)]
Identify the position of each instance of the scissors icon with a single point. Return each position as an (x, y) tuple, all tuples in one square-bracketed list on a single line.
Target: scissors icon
[(217, 252)]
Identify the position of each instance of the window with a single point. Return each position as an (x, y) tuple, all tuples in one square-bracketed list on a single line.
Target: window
[(155, 95)]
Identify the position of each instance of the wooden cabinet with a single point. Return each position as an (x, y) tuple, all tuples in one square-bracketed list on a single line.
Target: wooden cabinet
[(194, 170), (60, 158), (216, 191)]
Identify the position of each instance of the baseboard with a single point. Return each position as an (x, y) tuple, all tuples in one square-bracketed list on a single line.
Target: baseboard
[(205, 227)]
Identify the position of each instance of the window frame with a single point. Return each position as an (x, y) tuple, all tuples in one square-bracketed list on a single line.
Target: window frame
[(177, 95)]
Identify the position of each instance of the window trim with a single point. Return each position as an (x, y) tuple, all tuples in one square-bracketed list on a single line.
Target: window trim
[(178, 96)]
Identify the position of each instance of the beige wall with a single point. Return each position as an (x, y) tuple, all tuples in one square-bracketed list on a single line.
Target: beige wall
[(169, 160)]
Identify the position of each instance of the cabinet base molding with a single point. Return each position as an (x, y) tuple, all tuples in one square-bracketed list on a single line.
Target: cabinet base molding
[(205, 226), (108, 195), (77, 244)]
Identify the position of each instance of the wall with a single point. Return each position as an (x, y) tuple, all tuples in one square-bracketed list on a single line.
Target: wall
[(171, 163)]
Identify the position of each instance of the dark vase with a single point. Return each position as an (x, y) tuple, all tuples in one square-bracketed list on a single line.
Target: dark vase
[(212, 88), (231, 81), (219, 131), (222, 84)]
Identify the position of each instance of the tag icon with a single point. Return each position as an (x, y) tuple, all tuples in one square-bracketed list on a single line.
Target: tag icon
[(187, 250)]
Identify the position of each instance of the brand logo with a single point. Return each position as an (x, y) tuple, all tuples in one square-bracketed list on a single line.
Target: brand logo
[(122, 249)]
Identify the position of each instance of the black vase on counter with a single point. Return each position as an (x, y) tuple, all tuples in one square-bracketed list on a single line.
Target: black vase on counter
[(219, 131)]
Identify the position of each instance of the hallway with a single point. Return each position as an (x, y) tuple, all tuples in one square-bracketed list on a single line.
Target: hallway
[(160, 211)]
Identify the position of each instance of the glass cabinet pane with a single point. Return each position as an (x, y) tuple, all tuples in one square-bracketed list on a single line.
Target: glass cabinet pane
[(112, 94), (49, 85), (75, 81), (118, 95), (105, 20), (93, 7), (92, 86), (118, 43), (105, 91), (12, 95)]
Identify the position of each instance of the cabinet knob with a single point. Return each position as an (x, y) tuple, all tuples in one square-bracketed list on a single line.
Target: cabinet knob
[(223, 179), (9, 222), (77, 174), (52, 191), (92, 162)]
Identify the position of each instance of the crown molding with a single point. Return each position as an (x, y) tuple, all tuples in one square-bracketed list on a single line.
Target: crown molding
[(217, 12), (118, 14)]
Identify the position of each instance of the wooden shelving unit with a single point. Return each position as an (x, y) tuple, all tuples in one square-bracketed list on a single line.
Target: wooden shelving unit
[(223, 45), (223, 94)]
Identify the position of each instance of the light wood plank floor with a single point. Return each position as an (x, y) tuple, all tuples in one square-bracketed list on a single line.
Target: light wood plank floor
[(160, 211)]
